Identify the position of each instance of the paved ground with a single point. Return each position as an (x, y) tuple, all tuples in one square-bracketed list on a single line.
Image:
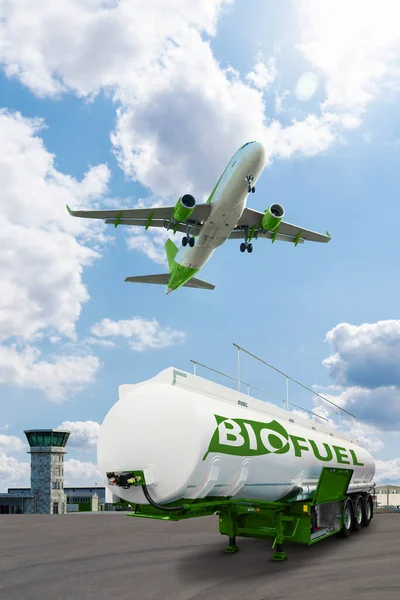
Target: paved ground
[(115, 557)]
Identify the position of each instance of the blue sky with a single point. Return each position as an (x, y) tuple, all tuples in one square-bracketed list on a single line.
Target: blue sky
[(129, 116)]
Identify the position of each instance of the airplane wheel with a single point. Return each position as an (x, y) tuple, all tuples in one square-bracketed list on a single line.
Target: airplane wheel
[(253, 189), (191, 242), (250, 248), (184, 241), (242, 247)]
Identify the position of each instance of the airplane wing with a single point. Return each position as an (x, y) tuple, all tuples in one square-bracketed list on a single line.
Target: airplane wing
[(160, 216), (251, 219)]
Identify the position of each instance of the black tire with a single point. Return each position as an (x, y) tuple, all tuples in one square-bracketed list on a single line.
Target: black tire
[(184, 241), (348, 515), (359, 512), (191, 242), (242, 247), (368, 512), (250, 248)]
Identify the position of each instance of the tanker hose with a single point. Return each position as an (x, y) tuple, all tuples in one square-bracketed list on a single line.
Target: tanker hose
[(151, 501)]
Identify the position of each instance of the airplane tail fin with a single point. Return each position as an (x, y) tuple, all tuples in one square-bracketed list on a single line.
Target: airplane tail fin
[(171, 251)]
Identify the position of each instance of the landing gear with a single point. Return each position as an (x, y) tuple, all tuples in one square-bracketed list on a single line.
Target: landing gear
[(250, 187), (188, 240), (246, 245)]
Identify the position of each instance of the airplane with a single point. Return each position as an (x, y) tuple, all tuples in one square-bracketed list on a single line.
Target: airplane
[(224, 216)]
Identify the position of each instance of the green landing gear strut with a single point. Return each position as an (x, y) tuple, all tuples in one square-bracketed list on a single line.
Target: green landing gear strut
[(231, 547)]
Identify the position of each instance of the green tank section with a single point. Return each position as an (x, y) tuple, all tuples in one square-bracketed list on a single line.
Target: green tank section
[(272, 217), (184, 208)]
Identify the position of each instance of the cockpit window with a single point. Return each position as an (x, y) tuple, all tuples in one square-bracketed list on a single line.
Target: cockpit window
[(244, 145)]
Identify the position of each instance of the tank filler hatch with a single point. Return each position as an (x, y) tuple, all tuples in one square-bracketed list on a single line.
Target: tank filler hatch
[(332, 485)]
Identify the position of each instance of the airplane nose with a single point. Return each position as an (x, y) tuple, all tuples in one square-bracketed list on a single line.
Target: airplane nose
[(259, 152)]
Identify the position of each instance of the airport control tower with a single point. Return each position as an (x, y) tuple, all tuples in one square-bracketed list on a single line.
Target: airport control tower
[(47, 469)]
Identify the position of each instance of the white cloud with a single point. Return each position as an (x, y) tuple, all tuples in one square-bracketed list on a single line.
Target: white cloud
[(150, 243), (46, 292), (57, 377), (387, 471), (180, 116), (263, 74), (13, 472), (87, 45), (364, 365), (367, 355), (77, 472), (279, 99), (354, 45), (10, 443), (84, 434), (91, 341), (141, 333)]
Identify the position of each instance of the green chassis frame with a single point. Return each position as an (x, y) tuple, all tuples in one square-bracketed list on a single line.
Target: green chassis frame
[(280, 521)]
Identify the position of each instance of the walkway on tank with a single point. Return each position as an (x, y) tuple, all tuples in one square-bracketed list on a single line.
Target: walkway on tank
[(108, 556)]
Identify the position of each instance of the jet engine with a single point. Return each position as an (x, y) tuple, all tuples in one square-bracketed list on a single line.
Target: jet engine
[(184, 207), (272, 217)]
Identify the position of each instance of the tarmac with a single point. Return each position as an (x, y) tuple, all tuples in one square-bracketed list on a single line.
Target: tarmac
[(109, 556)]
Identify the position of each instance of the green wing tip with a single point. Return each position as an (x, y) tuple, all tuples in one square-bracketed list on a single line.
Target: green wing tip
[(328, 234), (68, 209)]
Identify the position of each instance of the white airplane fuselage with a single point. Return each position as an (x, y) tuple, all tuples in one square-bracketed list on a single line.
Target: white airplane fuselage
[(227, 205)]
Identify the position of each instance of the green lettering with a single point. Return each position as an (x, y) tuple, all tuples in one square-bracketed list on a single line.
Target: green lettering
[(354, 457), (339, 451), (297, 446), (317, 454)]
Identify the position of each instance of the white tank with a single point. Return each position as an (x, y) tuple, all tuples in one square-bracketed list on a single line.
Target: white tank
[(194, 438)]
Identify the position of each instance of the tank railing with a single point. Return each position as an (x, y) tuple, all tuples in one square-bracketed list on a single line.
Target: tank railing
[(318, 396), (253, 387)]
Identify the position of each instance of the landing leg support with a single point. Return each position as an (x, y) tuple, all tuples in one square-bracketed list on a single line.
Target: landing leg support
[(231, 547), (279, 552)]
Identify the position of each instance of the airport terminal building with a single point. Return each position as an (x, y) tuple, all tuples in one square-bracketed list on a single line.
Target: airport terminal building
[(387, 495), (47, 494)]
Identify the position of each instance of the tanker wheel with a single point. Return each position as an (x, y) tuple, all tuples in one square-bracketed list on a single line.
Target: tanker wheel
[(359, 511), (368, 512), (347, 518)]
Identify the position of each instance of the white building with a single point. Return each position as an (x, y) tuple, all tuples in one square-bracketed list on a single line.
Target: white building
[(387, 495)]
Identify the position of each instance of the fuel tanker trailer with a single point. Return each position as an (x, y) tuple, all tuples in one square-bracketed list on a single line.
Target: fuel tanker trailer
[(178, 446)]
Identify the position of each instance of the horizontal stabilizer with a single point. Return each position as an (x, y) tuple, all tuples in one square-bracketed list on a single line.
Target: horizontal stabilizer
[(163, 279), (199, 284)]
